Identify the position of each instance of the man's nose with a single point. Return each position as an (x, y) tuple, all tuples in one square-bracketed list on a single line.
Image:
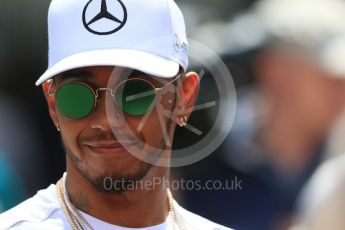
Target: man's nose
[(106, 116)]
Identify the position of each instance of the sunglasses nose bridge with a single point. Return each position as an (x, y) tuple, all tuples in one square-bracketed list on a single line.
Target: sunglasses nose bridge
[(106, 90), (100, 118), (97, 94)]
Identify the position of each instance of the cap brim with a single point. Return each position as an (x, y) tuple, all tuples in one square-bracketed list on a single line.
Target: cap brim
[(145, 62)]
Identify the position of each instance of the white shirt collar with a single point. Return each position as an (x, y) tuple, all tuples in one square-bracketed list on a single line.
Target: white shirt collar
[(99, 224)]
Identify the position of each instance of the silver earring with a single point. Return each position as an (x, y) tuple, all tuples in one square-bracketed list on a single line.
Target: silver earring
[(58, 127), (183, 121), (118, 115)]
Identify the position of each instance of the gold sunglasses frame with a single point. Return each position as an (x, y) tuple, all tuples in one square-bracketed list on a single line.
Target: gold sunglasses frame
[(95, 92)]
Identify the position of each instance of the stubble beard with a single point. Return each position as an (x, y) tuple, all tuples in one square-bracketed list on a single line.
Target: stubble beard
[(119, 182)]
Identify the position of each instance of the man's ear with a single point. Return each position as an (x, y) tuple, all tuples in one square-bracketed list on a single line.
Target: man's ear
[(188, 90), (49, 87)]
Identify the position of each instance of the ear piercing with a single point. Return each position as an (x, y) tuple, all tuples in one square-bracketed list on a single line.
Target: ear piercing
[(183, 121), (58, 127)]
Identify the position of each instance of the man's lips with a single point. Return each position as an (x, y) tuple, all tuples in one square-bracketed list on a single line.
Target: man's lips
[(112, 147)]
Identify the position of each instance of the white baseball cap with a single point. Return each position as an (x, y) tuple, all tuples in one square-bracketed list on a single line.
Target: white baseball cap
[(147, 35), (318, 25)]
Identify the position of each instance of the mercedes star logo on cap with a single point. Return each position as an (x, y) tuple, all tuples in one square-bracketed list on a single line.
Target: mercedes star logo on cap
[(108, 19)]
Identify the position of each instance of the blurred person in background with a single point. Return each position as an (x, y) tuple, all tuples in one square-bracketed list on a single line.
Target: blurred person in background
[(19, 144), (295, 51), (19, 153), (322, 202), (11, 187)]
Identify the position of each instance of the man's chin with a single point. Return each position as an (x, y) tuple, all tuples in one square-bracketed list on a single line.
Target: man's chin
[(115, 182), (111, 175)]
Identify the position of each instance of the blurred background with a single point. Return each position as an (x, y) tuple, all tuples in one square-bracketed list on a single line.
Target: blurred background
[(286, 60)]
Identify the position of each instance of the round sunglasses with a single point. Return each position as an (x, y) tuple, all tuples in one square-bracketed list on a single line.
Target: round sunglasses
[(135, 96)]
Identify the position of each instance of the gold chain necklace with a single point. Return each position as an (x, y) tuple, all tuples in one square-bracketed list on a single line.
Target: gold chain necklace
[(74, 217), (78, 222)]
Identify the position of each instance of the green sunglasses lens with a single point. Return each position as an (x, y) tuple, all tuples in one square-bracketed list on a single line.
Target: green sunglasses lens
[(75, 100), (135, 97)]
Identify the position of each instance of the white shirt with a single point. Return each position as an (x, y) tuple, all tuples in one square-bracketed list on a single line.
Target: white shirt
[(322, 203), (43, 212)]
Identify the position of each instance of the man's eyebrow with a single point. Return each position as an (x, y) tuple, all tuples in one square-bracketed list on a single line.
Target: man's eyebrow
[(75, 74)]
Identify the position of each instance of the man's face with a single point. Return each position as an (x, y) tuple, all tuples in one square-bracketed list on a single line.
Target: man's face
[(297, 83), (91, 146)]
